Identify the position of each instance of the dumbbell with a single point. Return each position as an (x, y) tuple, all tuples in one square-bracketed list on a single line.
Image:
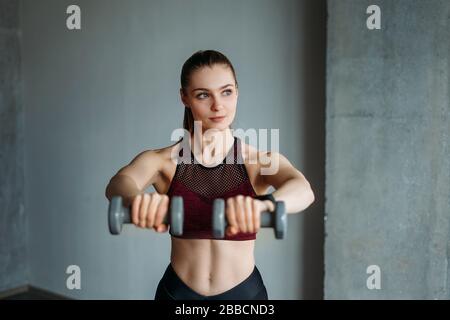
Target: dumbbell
[(118, 214), (276, 220)]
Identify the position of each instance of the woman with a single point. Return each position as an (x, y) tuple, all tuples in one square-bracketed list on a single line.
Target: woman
[(202, 267)]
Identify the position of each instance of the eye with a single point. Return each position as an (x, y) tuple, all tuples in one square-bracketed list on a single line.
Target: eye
[(199, 95)]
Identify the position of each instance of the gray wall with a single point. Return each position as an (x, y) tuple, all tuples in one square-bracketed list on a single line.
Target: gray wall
[(95, 98), (13, 263), (388, 150)]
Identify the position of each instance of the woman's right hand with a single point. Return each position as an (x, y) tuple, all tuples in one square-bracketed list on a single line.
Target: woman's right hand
[(148, 211)]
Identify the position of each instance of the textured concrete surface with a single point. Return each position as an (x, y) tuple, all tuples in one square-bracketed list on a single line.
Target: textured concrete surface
[(13, 262), (388, 150)]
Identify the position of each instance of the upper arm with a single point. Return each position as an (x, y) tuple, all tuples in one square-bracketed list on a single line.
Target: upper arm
[(282, 173), (144, 168)]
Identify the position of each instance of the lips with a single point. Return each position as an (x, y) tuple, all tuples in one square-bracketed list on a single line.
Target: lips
[(217, 119)]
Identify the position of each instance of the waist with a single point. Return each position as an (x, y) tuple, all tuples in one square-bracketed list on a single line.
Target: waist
[(212, 266)]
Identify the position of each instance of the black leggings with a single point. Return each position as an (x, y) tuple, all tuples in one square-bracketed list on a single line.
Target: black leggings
[(171, 287)]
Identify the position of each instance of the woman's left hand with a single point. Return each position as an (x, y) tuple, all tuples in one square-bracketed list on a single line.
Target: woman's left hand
[(243, 214)]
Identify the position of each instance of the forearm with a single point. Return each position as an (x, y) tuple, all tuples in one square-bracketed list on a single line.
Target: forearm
[(296, 194), (124, 186)]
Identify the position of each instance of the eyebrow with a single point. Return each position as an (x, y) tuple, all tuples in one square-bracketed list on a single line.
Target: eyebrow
[(227, 85)]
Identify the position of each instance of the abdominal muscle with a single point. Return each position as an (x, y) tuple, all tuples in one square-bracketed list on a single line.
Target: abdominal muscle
[(208, 266), (211, 267)]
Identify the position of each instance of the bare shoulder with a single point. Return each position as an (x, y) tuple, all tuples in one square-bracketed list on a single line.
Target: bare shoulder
[(152, 157), (166, 154), (265, 162), (253, 159), (146, 167), (258, 158)]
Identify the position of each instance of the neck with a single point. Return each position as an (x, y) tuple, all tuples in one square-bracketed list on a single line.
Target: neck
[(211, 147)]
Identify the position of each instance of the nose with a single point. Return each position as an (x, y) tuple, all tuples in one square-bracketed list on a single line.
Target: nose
[(216, 105)]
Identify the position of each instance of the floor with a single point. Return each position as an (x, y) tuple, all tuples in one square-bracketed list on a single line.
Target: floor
[(34, 294)]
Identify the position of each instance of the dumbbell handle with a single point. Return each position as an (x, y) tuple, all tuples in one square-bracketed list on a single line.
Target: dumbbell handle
[(267, 219), (125, 215), (118, 214), (275, 219)]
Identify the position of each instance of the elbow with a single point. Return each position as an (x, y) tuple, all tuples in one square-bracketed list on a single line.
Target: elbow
[(312, 197), (107, 193), (310, 194)]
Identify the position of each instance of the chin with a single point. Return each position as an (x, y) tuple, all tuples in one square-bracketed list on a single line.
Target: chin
[(217, 126), (220, 126)]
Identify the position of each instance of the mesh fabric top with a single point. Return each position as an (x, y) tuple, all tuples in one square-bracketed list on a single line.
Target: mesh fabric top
[(200, 185)]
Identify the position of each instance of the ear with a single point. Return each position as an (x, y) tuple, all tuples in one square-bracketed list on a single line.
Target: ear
[(183, 98)]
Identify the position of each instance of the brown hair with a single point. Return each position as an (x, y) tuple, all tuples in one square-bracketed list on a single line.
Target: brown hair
[(200, 59)]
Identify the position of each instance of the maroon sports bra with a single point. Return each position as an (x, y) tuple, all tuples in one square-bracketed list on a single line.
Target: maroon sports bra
[(200, 185)]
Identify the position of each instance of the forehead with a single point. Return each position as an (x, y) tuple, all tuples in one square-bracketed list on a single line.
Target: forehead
[(212, 77)]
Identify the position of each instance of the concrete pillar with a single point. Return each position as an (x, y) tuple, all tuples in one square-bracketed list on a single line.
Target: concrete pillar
[(388, 150), (13, 266)]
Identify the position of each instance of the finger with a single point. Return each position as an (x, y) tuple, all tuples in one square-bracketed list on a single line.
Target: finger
[(135, 209), (162, 228), (231, 217), (151, 212), (256, 215), (248, 213), (240, 213), (143, 209), (161, 212)]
